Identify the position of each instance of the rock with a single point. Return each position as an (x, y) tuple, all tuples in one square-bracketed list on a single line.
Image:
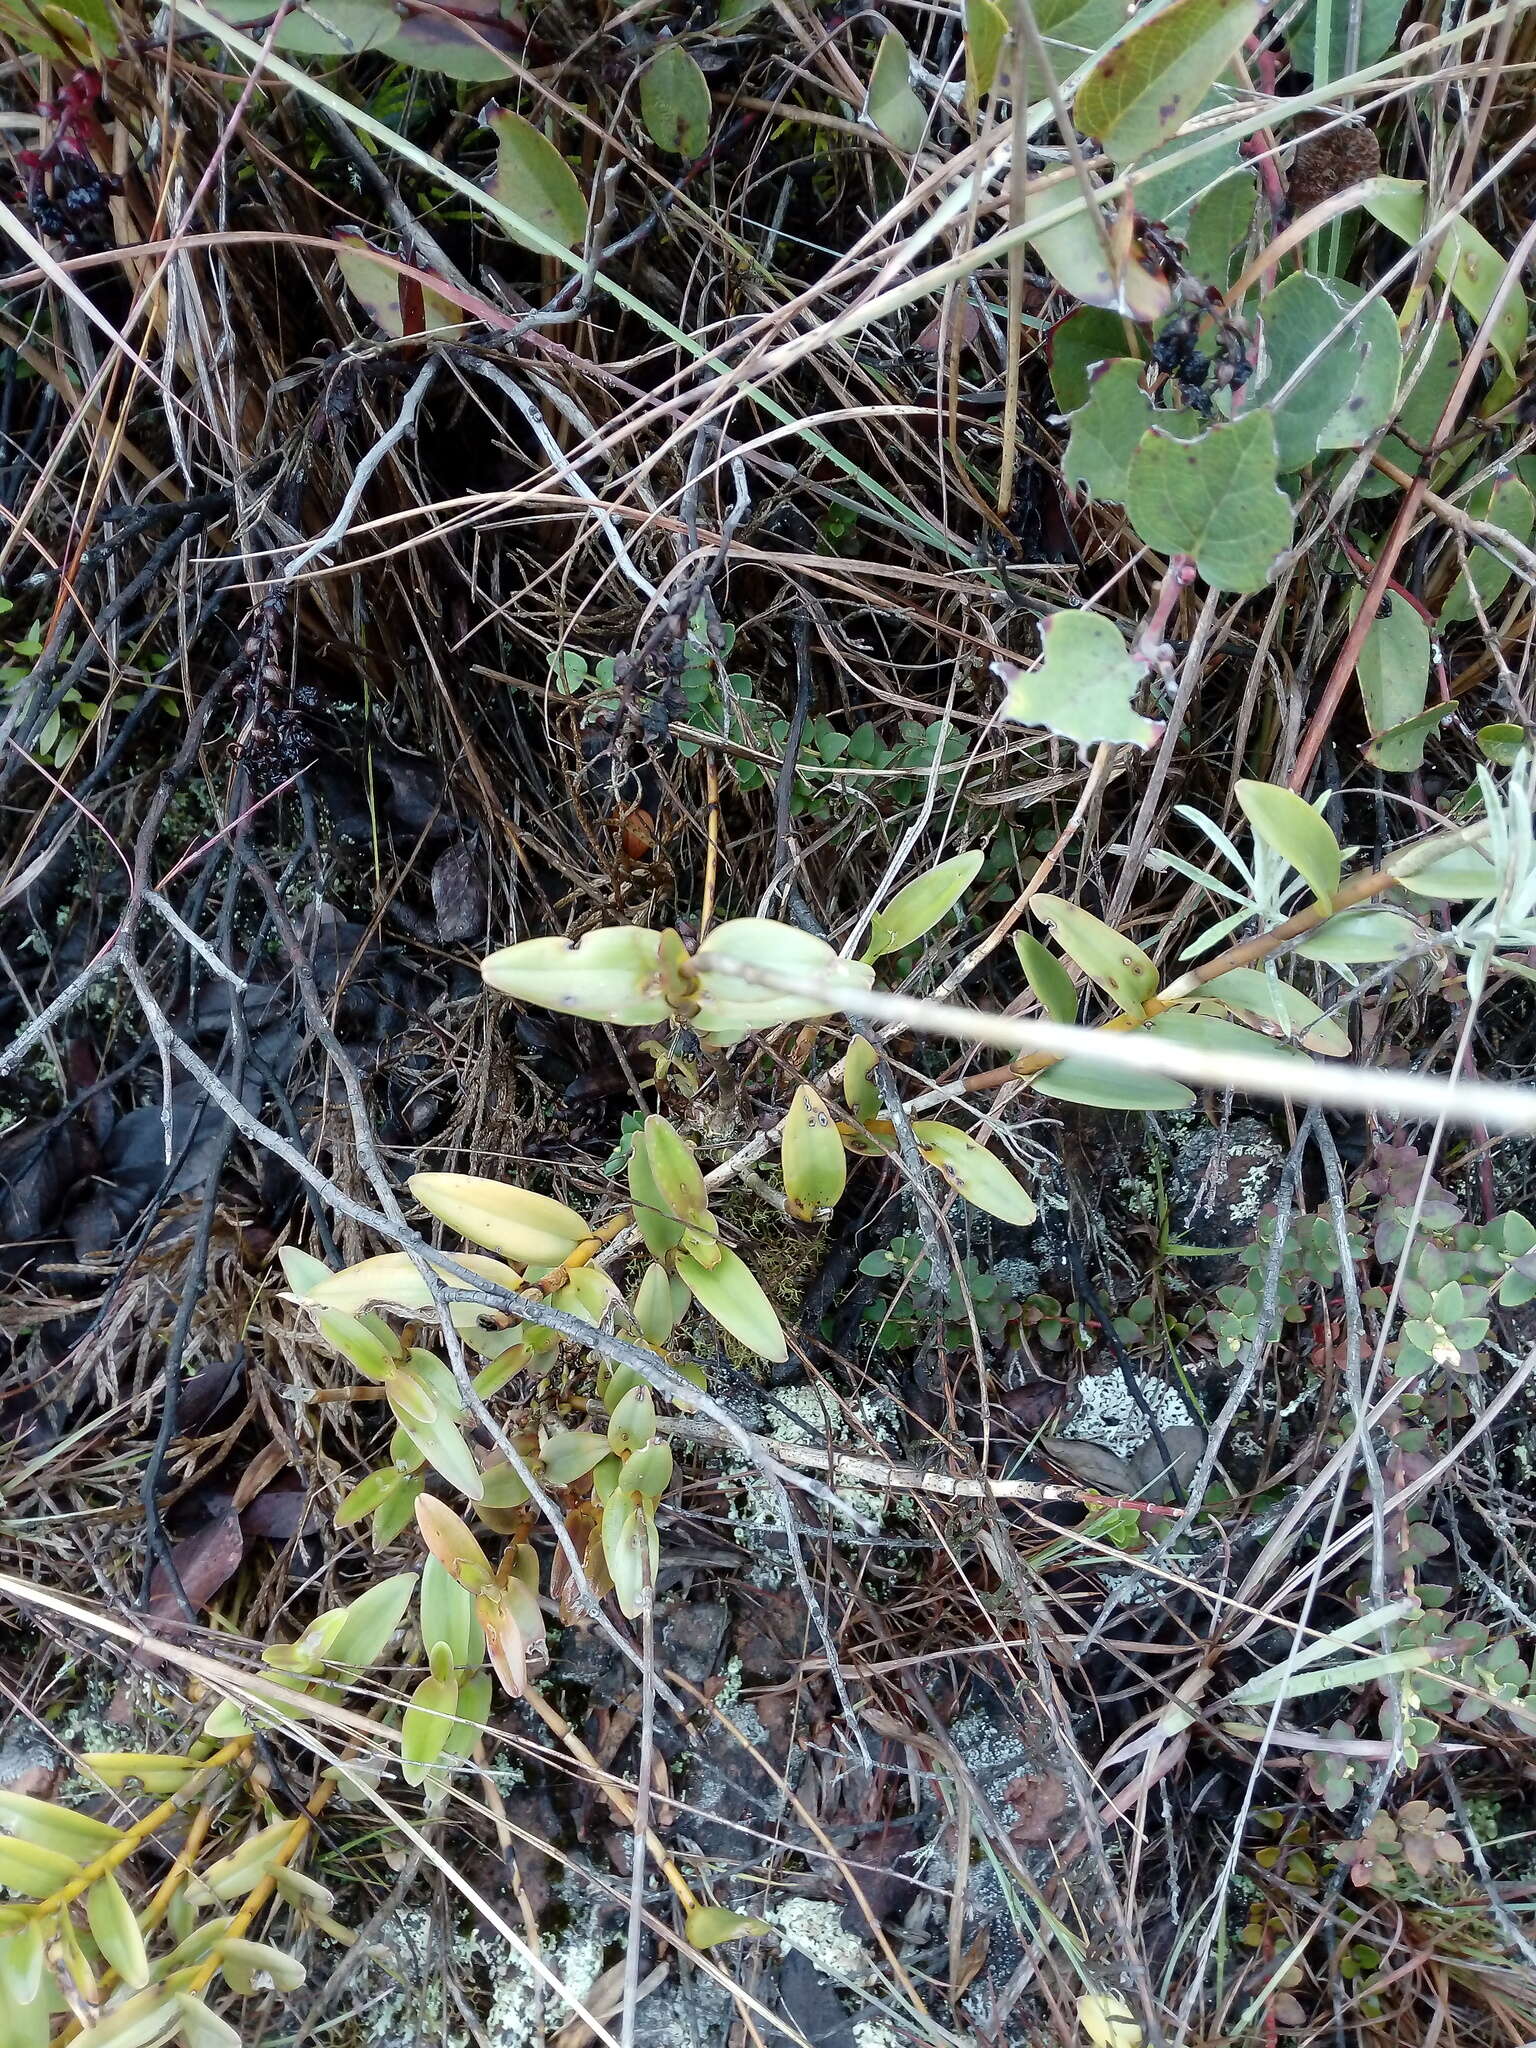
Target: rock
[(1219, 1183)]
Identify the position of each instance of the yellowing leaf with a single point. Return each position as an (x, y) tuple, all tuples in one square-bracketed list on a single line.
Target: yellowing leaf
[(54, 1827), (534, 181), (812, 1156), (33, 1871), (674, 102), (1107, 2020), (612, 975), (1467, 261), (974, 1172), (393, 1281), (1083, 686), (890, 103), (1297, 833), (1145, 85), (917, 908), (530, 1229), (1120, 968), (451, 1543)]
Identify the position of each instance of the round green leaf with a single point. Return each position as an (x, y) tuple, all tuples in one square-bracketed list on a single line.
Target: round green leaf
[(534, 181), (1146, 84), (1215, 499), (889, 102), (570, 1454), (1084, 684), (674, 102)]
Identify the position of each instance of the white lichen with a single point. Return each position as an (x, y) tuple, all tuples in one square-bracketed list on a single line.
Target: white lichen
[(1105, 1411)]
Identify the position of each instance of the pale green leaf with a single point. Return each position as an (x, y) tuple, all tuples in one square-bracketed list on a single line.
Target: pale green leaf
[(1252, 994), (1360, 938), (1090, 1081), (56, 1827), (974, 1172), (648, 1471), (200, 2028), (811, 1156), (1465, 876), (1145, 85), (1085, 259), (1295, 1684), (426, 1726), (570, 1454), (1215, 499), (1118, 966), (917, 908), (889, 102), (675, 104), (1466, 260), (241, 1962), (115, 1927), (21, 1965), (1220, 1037), (370, 1621), (142, 2021), (434, 1431), (733, 1297), (448, 1615), (708, 1926), (1048, 979), (534, 181), (1297, 833), (1084, 685), (611, 975), (631, 1553)]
